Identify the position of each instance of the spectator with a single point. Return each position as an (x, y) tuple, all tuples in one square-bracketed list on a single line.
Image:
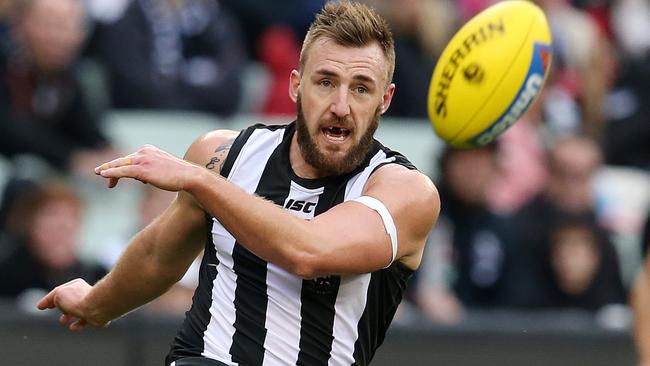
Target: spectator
[(581, 266), (572, 163), (168, 54), (470, 238), (42, 109), (628, 132), (44, 221)]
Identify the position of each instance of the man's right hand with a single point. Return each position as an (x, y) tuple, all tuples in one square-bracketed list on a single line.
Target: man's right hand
[(69, 299)]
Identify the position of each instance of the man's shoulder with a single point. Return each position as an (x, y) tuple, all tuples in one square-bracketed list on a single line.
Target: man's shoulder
[(227, 134), (403, 175), (394, 156), (219, 135), (213, 139), (211, 148), (407, 185)]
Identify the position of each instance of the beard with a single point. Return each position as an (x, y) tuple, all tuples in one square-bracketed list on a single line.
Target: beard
[(328, 164)]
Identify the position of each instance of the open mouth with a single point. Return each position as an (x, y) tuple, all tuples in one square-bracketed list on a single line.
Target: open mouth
[(335, 133)]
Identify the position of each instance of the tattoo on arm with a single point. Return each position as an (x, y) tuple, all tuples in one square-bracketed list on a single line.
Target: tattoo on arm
[(221, 153)]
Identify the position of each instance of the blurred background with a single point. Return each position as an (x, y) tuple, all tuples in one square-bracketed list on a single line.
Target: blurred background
[(541, 236)]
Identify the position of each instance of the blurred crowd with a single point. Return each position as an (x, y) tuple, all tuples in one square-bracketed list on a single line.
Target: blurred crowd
[(550, 216)]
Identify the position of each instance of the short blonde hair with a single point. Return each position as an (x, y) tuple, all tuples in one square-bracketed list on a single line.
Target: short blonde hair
[(351, 24)]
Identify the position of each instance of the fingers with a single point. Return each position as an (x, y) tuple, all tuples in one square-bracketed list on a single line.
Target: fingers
[(47, 302), (126, 171), (112, 182), (116, 163), (119, 162), (65, 319), (78, 325), (127, 166), (66, 298)]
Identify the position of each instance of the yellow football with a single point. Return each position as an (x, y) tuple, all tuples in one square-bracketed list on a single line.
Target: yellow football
[(490, 73)]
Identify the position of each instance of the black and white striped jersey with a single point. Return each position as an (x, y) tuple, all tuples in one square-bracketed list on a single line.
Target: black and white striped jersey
[(247, 311)]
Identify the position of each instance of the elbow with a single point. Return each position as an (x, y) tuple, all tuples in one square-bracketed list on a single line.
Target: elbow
[(305, 265), (307, 257)]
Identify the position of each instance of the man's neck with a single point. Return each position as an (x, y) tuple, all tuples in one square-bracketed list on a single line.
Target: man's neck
[(298, 163)]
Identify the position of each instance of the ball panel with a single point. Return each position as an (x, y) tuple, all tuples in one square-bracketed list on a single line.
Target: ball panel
[(514, 64), (535, 58), (479, 46), (515, 94), (481, 71), (529, 89)]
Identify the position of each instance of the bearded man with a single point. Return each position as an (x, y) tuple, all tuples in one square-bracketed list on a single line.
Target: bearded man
[(311, 230)]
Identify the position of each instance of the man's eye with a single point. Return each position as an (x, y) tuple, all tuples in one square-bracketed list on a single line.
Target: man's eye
[(326, 83), (361, 90)]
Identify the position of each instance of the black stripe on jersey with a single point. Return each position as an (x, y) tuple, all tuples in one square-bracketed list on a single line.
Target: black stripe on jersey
[(239, 143), (189, 339), (399, 158), (384, 295), (251, 299), (234, 151), (318, 297)]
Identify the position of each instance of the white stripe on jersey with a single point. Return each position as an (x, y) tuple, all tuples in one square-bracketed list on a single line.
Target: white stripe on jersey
[(284, 289), (355, 186), (219, 332), (282, 317), (350, 304), (255, 153)]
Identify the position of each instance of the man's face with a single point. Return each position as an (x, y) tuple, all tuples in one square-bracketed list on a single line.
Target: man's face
[(340, 96), (573, 165), (575, 259), (53, 236), (470, 174), (53, 31)]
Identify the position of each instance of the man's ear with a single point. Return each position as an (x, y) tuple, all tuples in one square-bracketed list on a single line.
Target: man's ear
[(387, 98), (294, 85)]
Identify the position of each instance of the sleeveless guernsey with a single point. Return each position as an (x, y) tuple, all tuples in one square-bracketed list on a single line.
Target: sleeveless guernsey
[(247, 311)]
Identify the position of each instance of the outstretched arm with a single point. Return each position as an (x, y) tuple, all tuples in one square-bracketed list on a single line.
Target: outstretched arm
[(349, 238), (155, 259)]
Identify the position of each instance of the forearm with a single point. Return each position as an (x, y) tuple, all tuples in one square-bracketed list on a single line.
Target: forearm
[(156, 258), (137, 278), (261, 226)]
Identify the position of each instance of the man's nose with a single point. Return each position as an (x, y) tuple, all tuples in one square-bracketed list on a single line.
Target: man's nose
[(340, 105)]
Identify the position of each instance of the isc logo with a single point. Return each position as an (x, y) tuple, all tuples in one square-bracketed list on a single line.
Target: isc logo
[(296, 205)]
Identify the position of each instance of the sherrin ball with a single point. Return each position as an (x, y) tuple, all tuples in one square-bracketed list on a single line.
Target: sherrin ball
[(490, 73)]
